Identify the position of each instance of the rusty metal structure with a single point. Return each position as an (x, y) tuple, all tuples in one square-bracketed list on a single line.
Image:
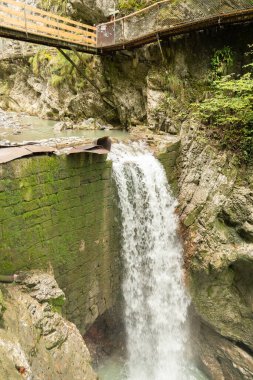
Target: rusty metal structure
[(11, 153), (20, 21), (8, 154)]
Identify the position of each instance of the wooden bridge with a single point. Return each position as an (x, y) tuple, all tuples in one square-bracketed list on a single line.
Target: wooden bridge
[(20, 21)]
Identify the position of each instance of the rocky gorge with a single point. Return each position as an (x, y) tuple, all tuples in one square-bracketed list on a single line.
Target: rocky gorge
[(150, 92)]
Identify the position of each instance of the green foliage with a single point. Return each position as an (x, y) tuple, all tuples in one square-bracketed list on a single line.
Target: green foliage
[(134, 5), (53, 65), (5, 97), (222, 61), (229, 112), (39, 59), (2, 304), (58, 6), (175, 85)]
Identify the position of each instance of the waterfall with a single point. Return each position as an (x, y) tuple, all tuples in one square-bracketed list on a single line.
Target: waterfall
[(155, 298)]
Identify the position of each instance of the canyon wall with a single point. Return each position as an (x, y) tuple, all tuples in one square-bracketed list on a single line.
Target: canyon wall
[(215, 208), (149, 87)]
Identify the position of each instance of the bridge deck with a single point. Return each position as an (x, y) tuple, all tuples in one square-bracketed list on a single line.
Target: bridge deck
[(24, 22), (182, 28), (170, 18), (20, 21)]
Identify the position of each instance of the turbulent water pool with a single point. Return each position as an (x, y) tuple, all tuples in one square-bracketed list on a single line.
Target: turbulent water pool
[(33, 128), (114, 368)]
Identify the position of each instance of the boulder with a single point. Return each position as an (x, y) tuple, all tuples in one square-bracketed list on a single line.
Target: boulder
[(36, 341)]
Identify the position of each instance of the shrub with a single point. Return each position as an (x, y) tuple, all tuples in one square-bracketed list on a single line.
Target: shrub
[(54, 66), (134, 5), (229, 113)]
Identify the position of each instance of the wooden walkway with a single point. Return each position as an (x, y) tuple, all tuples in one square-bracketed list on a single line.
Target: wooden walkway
[(20, 21)]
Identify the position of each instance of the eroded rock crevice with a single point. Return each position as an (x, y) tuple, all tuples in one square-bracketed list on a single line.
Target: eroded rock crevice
[(35, 340)]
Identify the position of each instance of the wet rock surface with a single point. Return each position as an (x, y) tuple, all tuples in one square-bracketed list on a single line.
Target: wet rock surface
[(36, 342), (222, 358), (215, 207), (10, 122)]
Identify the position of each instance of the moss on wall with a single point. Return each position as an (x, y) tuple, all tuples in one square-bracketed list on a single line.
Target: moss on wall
[(57, 212)]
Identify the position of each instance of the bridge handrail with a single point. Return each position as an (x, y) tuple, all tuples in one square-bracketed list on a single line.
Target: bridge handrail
[(19, 20), (163, 14), (49, 14), (24, 17), (137, 13)]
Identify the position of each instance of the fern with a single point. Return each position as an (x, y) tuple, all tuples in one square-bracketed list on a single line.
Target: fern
[(229, 113)]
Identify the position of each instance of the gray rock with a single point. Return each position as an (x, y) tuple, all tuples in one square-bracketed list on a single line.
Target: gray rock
[(36, 340), (215, 207), (246, 230)]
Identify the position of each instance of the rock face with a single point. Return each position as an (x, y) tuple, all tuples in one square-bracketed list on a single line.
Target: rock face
[(216, 208), (91, 11), (35, 94), (36, 342), (222, 358)]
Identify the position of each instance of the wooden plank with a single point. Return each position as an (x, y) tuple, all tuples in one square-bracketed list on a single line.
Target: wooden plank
[(46, 37), (61, 25), (48, 14), (235, 17), (34, 28), (20, 25), (46, 21)]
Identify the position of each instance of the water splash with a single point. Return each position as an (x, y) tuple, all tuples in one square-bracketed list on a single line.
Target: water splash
[(155, 298)]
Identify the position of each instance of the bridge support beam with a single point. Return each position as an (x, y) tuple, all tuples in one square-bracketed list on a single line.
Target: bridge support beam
[(81, 72), (160, 47)]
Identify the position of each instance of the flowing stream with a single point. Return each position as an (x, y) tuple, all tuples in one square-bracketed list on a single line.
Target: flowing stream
[(155, 297)]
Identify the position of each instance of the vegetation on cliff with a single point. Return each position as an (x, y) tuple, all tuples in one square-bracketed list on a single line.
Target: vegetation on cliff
[(53, 65), (134, 5), (228, 109), (57, 6)]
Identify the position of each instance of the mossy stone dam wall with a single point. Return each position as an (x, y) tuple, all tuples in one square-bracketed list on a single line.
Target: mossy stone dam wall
[(57, 213)]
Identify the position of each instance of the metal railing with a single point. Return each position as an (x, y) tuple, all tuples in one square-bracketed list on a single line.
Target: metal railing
[(22, 17), (163, 15), (145, 25)]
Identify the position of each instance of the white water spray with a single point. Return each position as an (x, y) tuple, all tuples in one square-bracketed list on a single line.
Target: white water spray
[(155, 299)]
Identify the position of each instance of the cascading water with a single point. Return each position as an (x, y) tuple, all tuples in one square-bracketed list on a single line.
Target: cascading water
[(155, 298)]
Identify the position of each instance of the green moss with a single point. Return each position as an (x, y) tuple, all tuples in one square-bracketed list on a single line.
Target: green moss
[(57, 6), (57, 304), (192, 216), (53, 66), (169, 161), (56, 212), (134, 5), (2, 305)]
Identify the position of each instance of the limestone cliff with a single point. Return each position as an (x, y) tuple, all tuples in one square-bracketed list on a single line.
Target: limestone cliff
[(41, 344), (216, 206)]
